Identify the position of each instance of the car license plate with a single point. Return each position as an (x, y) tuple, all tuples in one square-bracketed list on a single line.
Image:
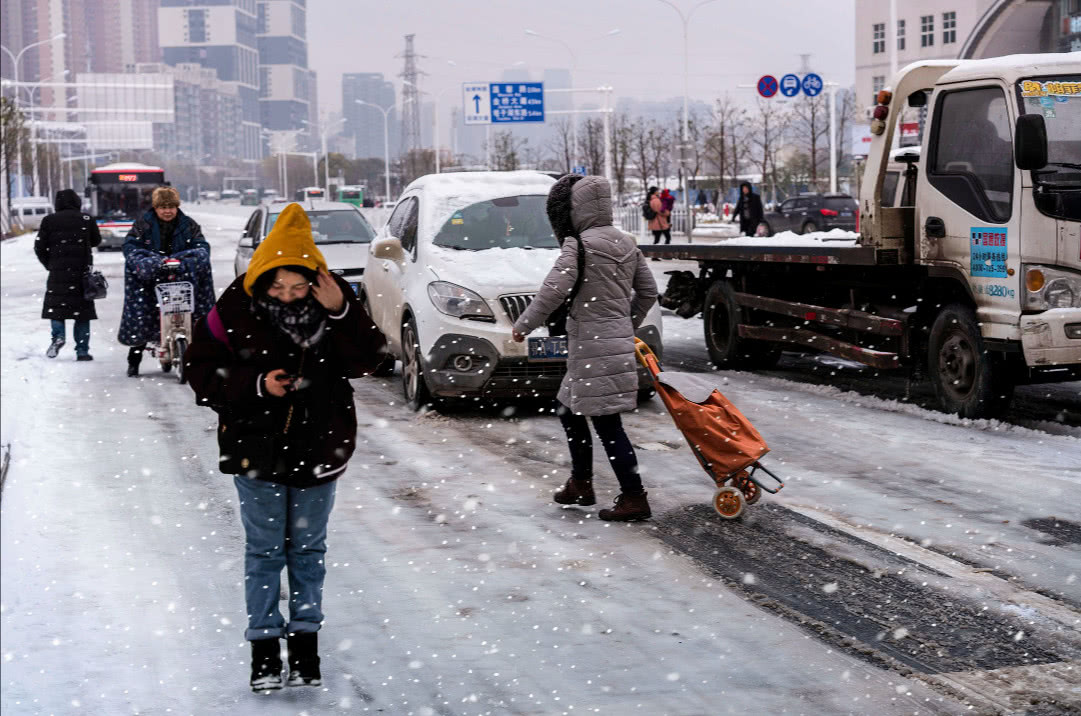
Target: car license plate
[(552, 348), (846, 213), (355, 286)]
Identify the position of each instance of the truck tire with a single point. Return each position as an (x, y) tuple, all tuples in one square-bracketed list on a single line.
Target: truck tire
[(721, 317), (969, 380)]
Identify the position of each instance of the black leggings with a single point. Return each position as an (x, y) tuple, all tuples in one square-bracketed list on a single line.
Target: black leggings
[(616, 444), (666, 233)]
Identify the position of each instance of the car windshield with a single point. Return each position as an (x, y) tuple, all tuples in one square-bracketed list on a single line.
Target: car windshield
[(1058, 99), (335, 226), (505, 223)]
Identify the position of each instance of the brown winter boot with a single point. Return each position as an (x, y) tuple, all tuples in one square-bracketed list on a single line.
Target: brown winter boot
[(575, 492), (629, 508)]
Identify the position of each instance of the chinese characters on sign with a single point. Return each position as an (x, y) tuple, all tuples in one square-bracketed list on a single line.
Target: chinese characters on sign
[(987, 252), (502, 102)]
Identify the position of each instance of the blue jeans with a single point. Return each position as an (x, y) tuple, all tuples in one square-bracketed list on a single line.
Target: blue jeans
[(285, 527), (81, 332)]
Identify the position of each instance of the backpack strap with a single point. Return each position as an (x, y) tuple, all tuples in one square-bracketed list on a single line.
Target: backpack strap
[(217, 328)]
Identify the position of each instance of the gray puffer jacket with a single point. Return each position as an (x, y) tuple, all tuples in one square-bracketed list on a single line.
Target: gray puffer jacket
[(616, 293)]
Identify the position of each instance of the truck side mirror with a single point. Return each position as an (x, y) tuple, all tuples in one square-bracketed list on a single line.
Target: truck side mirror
[(1030, 142), (917, 99)]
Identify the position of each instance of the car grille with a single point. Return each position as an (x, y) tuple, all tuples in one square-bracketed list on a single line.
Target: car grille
[(527, 371), (515, 306)]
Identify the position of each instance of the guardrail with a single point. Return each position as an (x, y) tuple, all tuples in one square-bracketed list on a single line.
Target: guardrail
[(630, 218)]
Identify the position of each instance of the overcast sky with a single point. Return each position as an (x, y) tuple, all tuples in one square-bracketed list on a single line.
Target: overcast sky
[(731, 43)]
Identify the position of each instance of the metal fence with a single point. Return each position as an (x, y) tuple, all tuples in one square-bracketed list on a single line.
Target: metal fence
[(630, 218)]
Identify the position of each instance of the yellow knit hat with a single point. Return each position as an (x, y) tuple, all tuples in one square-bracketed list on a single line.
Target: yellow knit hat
[(289, 243)]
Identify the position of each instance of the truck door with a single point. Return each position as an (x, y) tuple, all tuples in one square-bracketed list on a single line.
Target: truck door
[(968, 212)]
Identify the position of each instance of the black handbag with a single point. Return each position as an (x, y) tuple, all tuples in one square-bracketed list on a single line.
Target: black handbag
[(94, 285), (557, 319)]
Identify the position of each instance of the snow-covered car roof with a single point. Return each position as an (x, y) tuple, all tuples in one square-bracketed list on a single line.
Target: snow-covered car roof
[(1014, 67), (443, 194)]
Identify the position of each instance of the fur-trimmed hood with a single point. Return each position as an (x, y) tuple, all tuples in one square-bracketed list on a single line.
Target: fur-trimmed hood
[(577, 203)]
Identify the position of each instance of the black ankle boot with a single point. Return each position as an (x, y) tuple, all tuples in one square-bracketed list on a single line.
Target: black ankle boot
[(134, 358), (266, 665), (304, 659)]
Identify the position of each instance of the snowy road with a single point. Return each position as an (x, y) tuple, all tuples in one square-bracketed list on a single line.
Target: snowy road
[(915, 563)]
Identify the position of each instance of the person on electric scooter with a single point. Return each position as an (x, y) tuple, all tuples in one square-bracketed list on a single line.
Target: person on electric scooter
[(273, 359), (162, 232)]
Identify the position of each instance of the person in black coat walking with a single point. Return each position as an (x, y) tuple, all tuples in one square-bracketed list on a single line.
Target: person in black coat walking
[(63, 246), (748, 210)]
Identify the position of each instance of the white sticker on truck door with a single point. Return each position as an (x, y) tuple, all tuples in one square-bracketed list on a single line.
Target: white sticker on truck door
[(987, 251)]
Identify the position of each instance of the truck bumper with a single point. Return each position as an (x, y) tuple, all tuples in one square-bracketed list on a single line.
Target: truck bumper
[(1045, 337)]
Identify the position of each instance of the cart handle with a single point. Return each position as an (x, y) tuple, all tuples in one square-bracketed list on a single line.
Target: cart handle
[(646, 356), (759, 466)]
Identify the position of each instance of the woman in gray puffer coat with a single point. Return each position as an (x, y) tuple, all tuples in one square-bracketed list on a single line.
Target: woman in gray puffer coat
[(617, 290)]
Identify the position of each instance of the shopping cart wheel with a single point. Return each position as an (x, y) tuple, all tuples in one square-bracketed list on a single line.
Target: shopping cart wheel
[(728, 501), (752, 493)]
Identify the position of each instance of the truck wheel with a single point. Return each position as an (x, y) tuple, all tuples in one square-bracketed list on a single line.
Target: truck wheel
[(721, 317), (968, 380)]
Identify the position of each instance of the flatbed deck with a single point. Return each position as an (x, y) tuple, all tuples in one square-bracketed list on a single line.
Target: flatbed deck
[(842, 253)]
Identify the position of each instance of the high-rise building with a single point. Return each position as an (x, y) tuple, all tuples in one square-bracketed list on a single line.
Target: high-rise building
[(25, 22), (365, 124), (123, 33), (218, 34), (286, 85)]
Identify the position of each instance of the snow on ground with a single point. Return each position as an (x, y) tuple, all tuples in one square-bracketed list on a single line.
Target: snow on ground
[(455, 586)]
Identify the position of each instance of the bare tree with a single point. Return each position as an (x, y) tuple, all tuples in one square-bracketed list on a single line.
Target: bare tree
[(13, 137), (641, 141), (696, 154), (768, 126), (810, 132), (660, 150), (725, 141), (506, 150), (591, 144), (622, 143), (562, 143)]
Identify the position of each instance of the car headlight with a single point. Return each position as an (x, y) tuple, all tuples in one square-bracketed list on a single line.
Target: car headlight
[(1047, 288), (459, 302)]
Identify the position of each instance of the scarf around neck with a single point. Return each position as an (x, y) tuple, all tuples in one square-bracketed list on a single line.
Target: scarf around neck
[(303, 320)]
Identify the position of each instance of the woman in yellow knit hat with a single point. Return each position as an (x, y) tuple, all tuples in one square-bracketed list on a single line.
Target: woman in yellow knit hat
[(273, 359)]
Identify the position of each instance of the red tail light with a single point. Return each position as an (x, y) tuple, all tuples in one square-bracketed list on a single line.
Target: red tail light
[(827, 212)]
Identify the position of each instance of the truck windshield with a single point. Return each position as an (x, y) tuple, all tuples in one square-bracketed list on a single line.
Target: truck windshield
[(1058, 99)]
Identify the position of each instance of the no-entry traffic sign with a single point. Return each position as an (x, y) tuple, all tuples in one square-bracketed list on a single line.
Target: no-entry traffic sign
[(767, 85)]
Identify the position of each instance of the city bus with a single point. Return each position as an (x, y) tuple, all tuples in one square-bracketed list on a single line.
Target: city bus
[(310, 192), (119, 194), (352, 194)]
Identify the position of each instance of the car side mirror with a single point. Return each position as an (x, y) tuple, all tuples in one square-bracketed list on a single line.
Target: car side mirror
[(389, 248), (1030, 142), (246, 242)]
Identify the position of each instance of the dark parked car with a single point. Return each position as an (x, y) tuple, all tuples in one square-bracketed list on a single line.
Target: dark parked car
[(811, 212)]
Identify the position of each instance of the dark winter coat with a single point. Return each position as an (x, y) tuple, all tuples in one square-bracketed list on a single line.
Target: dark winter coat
[(63, 246), (616, 293), (229, 379), (748, 210), (144, 253)]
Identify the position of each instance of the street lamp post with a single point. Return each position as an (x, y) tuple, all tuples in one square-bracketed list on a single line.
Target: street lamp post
[(15, 63), (32, 104), (326, 157), (683, 144), (386, 145)]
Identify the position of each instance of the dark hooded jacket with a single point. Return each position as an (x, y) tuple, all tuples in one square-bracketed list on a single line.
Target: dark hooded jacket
[(748, 210), (63, 246), (306, 437), (616, 293), (148, 243)]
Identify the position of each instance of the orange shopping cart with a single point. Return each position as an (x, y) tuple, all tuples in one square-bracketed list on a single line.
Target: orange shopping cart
[(726, 444)]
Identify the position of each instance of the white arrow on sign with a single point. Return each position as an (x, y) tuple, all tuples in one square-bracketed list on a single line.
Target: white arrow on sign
[(476, 103)]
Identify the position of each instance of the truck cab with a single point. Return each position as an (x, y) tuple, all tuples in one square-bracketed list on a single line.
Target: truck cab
[(996, 216)]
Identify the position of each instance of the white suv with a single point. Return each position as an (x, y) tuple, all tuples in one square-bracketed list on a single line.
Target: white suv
[(458, 261)]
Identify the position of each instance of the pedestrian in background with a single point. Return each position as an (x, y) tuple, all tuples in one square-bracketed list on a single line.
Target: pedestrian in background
[(273, 359), (748, 210), (616, 292), (64, 247), (164, 231)]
